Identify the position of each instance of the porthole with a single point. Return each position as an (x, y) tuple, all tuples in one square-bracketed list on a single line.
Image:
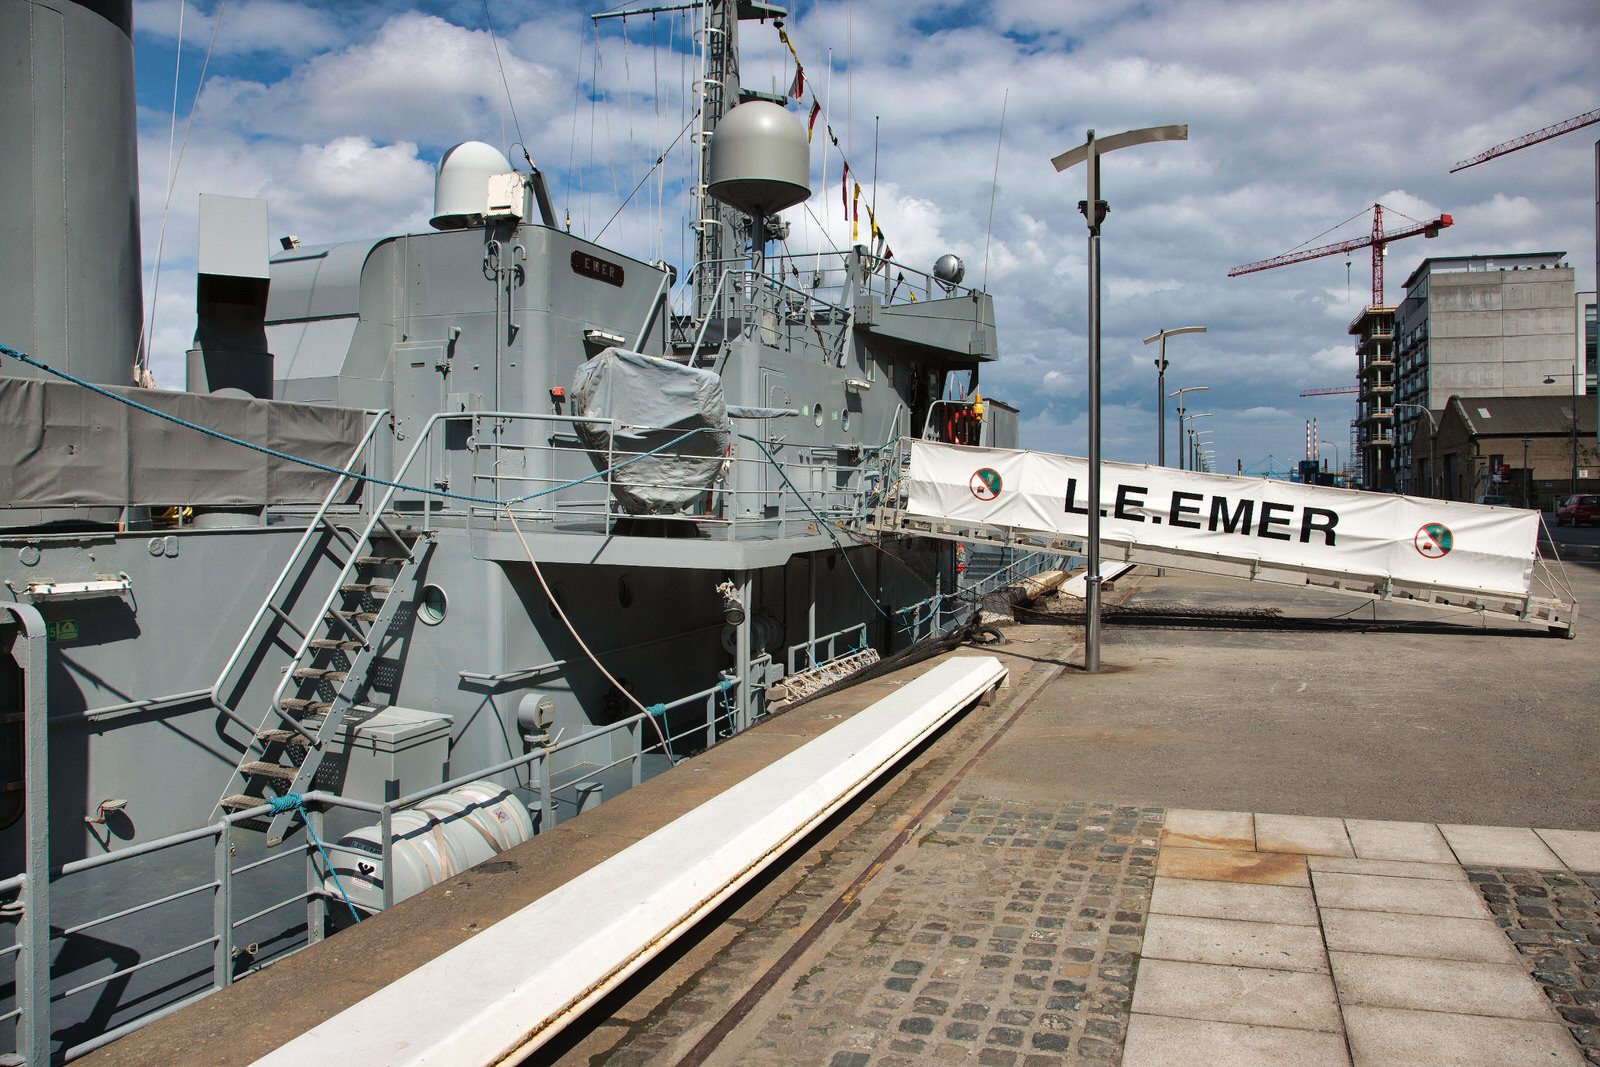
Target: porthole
[(844, 419), (433, 605), (816, 414)]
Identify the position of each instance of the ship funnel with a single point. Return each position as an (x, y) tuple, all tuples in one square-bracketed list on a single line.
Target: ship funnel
[(461, 187), (69, 216), (759, 160)]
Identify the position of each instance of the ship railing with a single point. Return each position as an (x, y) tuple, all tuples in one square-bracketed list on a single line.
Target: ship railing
[(833, 279), (924, 619), (831, 646), (1025, 566), (228, 884), (548, 475), (784, 316)]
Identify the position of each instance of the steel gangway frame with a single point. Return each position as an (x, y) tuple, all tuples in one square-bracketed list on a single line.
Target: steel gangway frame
[(1558, 612)]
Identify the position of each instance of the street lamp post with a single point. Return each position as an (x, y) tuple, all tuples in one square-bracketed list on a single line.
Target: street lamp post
[(1179, 394), (1433, 440), (1548, 380), (1094, 212), (1192, 417), (1525, 442), (1195, 445), (1161, 387)]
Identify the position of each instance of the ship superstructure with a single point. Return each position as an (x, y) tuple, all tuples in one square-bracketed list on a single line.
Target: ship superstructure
[(487, 502)]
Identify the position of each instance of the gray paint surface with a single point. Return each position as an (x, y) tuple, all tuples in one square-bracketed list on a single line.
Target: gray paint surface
[(69, 220)]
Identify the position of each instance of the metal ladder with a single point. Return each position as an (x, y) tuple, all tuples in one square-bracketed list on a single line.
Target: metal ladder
[(317, 694), (323, 662)]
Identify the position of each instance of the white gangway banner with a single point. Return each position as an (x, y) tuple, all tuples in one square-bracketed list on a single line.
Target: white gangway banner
[(1381, 535)]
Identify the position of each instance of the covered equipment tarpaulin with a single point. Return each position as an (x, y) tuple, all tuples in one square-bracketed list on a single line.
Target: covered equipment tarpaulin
[(1412, 539), (650, 402), (67, 446)]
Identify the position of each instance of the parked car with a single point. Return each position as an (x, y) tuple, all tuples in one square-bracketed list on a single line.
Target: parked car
[(1580, 510), (1494, 500)]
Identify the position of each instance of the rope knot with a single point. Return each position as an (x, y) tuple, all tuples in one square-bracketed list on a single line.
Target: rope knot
[(287, 802)]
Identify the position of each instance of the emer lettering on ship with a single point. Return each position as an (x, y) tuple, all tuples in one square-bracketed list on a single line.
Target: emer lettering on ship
[(1217, 513)]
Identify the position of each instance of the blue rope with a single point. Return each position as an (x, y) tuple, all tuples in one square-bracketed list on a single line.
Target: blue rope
[(294, 802), (659, 711), (724, 686)]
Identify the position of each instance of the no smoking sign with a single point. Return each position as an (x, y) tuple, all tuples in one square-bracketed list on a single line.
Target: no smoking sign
[(1434, 540), (985, 483)]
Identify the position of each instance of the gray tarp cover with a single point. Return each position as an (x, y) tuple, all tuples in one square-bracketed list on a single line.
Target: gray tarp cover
[(62, 445), (653, 401)]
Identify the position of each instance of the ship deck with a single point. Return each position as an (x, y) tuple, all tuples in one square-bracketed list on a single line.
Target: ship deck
[(1274, 828)]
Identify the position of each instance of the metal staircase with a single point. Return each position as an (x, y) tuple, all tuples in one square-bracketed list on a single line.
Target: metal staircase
[(317, 695), (323, 659)]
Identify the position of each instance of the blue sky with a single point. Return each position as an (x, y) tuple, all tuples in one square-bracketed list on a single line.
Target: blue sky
[(1300, 116)]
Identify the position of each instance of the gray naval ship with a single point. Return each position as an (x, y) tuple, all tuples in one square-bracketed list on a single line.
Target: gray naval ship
[(450, 536)]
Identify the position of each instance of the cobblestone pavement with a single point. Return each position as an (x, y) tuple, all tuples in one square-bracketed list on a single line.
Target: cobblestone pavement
[(1008, 934), (1553, 918)]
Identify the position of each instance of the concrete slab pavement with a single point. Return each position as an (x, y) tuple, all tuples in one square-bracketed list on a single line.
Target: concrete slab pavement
[(1085, 898)]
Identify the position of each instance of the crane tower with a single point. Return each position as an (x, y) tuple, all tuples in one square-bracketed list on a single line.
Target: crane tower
[(1374, 333)]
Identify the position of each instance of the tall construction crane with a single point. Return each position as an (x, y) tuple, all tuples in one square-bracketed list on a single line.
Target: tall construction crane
[(1337, 390), (1376, 240), (1577, 122)]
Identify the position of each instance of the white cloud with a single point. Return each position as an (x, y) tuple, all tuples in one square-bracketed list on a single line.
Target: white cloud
[(1300, 116), (250, 25)]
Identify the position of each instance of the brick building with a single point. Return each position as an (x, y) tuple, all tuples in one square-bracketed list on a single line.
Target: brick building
[(1518, 447)]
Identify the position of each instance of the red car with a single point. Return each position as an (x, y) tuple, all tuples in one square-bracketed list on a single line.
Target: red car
[(1581, 510)]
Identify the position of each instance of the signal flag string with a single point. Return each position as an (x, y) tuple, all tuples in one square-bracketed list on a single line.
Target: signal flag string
[(849, 190)]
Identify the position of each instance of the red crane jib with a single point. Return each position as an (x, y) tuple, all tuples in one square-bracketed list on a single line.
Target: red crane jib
[(1375, 240)]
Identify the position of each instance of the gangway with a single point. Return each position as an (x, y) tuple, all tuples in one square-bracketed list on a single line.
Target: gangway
[(1379, 546)]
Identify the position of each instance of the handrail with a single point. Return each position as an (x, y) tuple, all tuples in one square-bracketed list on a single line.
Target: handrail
[(34, 994), (294, 557), (716, 292), (424, 437), (33, 931)]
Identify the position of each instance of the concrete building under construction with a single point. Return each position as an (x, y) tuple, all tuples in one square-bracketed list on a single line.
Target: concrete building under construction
[(1473, 326), (1374, 333)]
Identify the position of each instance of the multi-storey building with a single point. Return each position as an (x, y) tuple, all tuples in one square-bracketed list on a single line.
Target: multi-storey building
[(1374, 333), (1480, 326)]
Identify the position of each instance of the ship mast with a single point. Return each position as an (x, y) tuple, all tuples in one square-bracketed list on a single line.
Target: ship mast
[(717, 226)]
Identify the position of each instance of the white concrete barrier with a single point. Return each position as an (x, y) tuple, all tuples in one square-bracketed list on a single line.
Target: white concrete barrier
[(512, 987)]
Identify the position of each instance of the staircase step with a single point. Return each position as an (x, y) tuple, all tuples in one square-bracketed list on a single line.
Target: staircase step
[(380, 561), (242, 802), (320, 674), (269, 770), (356, 616), (371, 589), (336, 643), (303, 704), (286, 737), (405, 534)]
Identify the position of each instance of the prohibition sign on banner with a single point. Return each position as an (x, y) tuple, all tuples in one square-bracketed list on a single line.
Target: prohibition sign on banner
[(985, 483), (1434, 540)]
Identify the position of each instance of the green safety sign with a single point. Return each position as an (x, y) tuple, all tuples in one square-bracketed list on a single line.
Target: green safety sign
[(61, 630)]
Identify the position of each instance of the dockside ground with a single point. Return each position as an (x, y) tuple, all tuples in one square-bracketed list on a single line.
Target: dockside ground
[(1320, 841), (1292, 835)]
